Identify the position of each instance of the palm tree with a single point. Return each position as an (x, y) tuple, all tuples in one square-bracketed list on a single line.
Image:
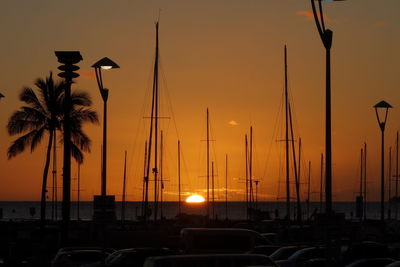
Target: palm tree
[(43, 114)]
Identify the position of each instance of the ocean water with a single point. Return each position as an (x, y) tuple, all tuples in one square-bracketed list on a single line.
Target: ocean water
[(235, 210)]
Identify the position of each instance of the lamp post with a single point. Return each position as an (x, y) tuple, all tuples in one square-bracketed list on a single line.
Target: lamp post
[(105, 64), (381, 110), (326, 38), (68, 59)]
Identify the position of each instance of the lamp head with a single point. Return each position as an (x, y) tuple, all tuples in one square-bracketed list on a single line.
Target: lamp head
[(381, 110), (383, 104), (106, 64)]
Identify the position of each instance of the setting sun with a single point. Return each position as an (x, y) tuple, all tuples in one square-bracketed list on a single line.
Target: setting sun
[(195, 198)]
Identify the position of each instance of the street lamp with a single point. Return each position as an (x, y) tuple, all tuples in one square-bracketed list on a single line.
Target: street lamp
[(381, 110), (326, 37), (105, 64), (104, 206)]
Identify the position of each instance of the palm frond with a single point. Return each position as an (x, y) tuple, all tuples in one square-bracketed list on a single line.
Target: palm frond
[(20, 144), (80, 139), (76, 153), (28, 96), (80, 98), (22, 121), (82, 115), (37, 138)]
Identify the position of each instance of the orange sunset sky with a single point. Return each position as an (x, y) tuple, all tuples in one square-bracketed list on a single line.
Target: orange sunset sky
[(226, 55)]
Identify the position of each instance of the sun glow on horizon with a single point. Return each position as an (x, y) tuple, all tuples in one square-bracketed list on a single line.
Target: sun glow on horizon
[(195, 198)]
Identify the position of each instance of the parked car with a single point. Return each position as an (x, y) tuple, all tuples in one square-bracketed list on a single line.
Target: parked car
[(220, 240), (298, 258), (365, 250), (284, 253), (264, 249), (394, 264), (131, 257), (77, 256), (210, 260), (372, 262)]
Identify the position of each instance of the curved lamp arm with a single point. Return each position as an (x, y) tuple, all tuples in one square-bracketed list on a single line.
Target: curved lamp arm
[(99, 79), (317, 22)]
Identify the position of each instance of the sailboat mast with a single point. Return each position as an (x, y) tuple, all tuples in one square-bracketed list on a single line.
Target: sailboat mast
[(247, 176), (153, 121), (298, 181), (226, 186), (212, 186), (155, 170), (208, 165), (179, 177), (161, 174), (365, 181), (309, 189), (145, 183), (123, 192), (251, 169), (287, 140)]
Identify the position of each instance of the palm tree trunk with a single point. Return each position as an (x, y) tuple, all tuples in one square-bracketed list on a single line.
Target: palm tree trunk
[(45, 173)]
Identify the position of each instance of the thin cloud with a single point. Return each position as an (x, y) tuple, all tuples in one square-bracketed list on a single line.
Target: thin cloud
[(308, 14), (233, 123)]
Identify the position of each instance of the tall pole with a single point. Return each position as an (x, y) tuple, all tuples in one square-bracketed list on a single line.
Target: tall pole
[(298, 182), (397, 174), (321, 183), (179, 177), (68, 58), (213, 191), (296, 177), (226, 186), (390, 183), (326, 37), (145, 184), (247, 176), (54, 172), (309, 190), (382, 174), (161, 175), (104, 165), (361, 171), (123, 192), (251, 169), (287, 140), (365, 181), (208, 165), (384, 106), (153, 123), (155, 169)]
